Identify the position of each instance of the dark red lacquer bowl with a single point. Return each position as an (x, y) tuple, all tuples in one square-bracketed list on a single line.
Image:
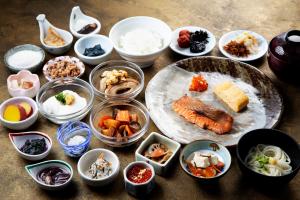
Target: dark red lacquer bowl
[(284, 55)]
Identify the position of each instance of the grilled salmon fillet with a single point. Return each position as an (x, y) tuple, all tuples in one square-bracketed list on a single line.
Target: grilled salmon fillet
[(204, 116)]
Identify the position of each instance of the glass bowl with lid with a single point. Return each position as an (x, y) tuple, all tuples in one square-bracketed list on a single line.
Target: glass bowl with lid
[(107, 82), (60, 114), (108, 108)]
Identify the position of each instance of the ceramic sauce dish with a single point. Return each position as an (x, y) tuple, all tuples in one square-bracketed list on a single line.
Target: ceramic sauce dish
[(78, 20), (19, 139), (160, 167), (26, 76), (139, 190), (34, 170), (44, 26)]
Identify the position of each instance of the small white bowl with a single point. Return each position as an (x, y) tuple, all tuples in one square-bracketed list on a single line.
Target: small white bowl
[(160, 169), (186, 51), (89, 42), (34, 169), (78, 20), (262, 47), (24, 74), (44, 25), (19, 139), (30, 47), (89, 158), (21, 125), (139, 189), (142, 22)]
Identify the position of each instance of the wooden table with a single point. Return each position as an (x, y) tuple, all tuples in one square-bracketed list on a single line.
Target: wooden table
[(269, 18)]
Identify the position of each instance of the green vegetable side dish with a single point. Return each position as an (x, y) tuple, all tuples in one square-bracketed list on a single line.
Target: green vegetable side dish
[(61, 98)]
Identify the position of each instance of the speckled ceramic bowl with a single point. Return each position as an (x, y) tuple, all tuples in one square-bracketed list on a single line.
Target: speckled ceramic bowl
[(31, 47)]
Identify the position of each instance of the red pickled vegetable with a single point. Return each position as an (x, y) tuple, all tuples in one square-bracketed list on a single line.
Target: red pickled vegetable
[(102, 119), (183, 41), (198, 84)]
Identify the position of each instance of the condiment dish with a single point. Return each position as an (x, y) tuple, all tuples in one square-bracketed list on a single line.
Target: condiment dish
[(19, 139), (23, 124), (261, 51), (44, 25), (24, 47), (69, 130), (106, 108), (34, 169), (142, 22), (28, 76), (268, 137), (139, 189), (206, 147), (186, 51), (78, 20), (55, 87), (133, 70), (89, 42), (69, 59), (160, 168), (89, 158)]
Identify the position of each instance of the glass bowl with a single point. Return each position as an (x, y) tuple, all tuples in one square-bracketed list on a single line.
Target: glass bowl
[(133, 71), (69, 130), (106, 108), (81, 87)]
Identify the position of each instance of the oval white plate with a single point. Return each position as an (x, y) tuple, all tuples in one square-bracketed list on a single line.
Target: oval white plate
[(262, 47), (186, 51)]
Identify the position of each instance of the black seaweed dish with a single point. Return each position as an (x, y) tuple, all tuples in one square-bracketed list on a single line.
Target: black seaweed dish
[(271, 137)]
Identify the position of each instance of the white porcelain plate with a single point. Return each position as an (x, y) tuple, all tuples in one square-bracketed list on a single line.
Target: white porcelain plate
[(262, 45), (186, 51)]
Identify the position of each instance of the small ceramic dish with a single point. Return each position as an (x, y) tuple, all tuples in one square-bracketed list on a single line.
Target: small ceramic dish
[(44, 25), (160, 168), (89, 158), (133, 71), (186, 51), (34, 169), (139, 189), (261, 51), (32, 66), (70, 130), (78, 20), (19, 91), (205, 147), (54, 87), (268, 137), (140, 22), (89, 42), (106, 109), (23, 124), (67, 59), (19, 139)]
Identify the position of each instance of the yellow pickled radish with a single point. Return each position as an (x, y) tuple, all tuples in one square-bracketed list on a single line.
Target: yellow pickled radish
[(12, 113)]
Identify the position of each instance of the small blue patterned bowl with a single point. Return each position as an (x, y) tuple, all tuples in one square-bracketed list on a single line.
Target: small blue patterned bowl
[(69, 130)]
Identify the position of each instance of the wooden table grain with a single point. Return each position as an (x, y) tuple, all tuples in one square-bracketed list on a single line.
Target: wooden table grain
[(266, 17)]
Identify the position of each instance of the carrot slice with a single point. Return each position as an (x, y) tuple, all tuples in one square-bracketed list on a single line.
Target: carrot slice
[(123, 116), (102, 119)]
